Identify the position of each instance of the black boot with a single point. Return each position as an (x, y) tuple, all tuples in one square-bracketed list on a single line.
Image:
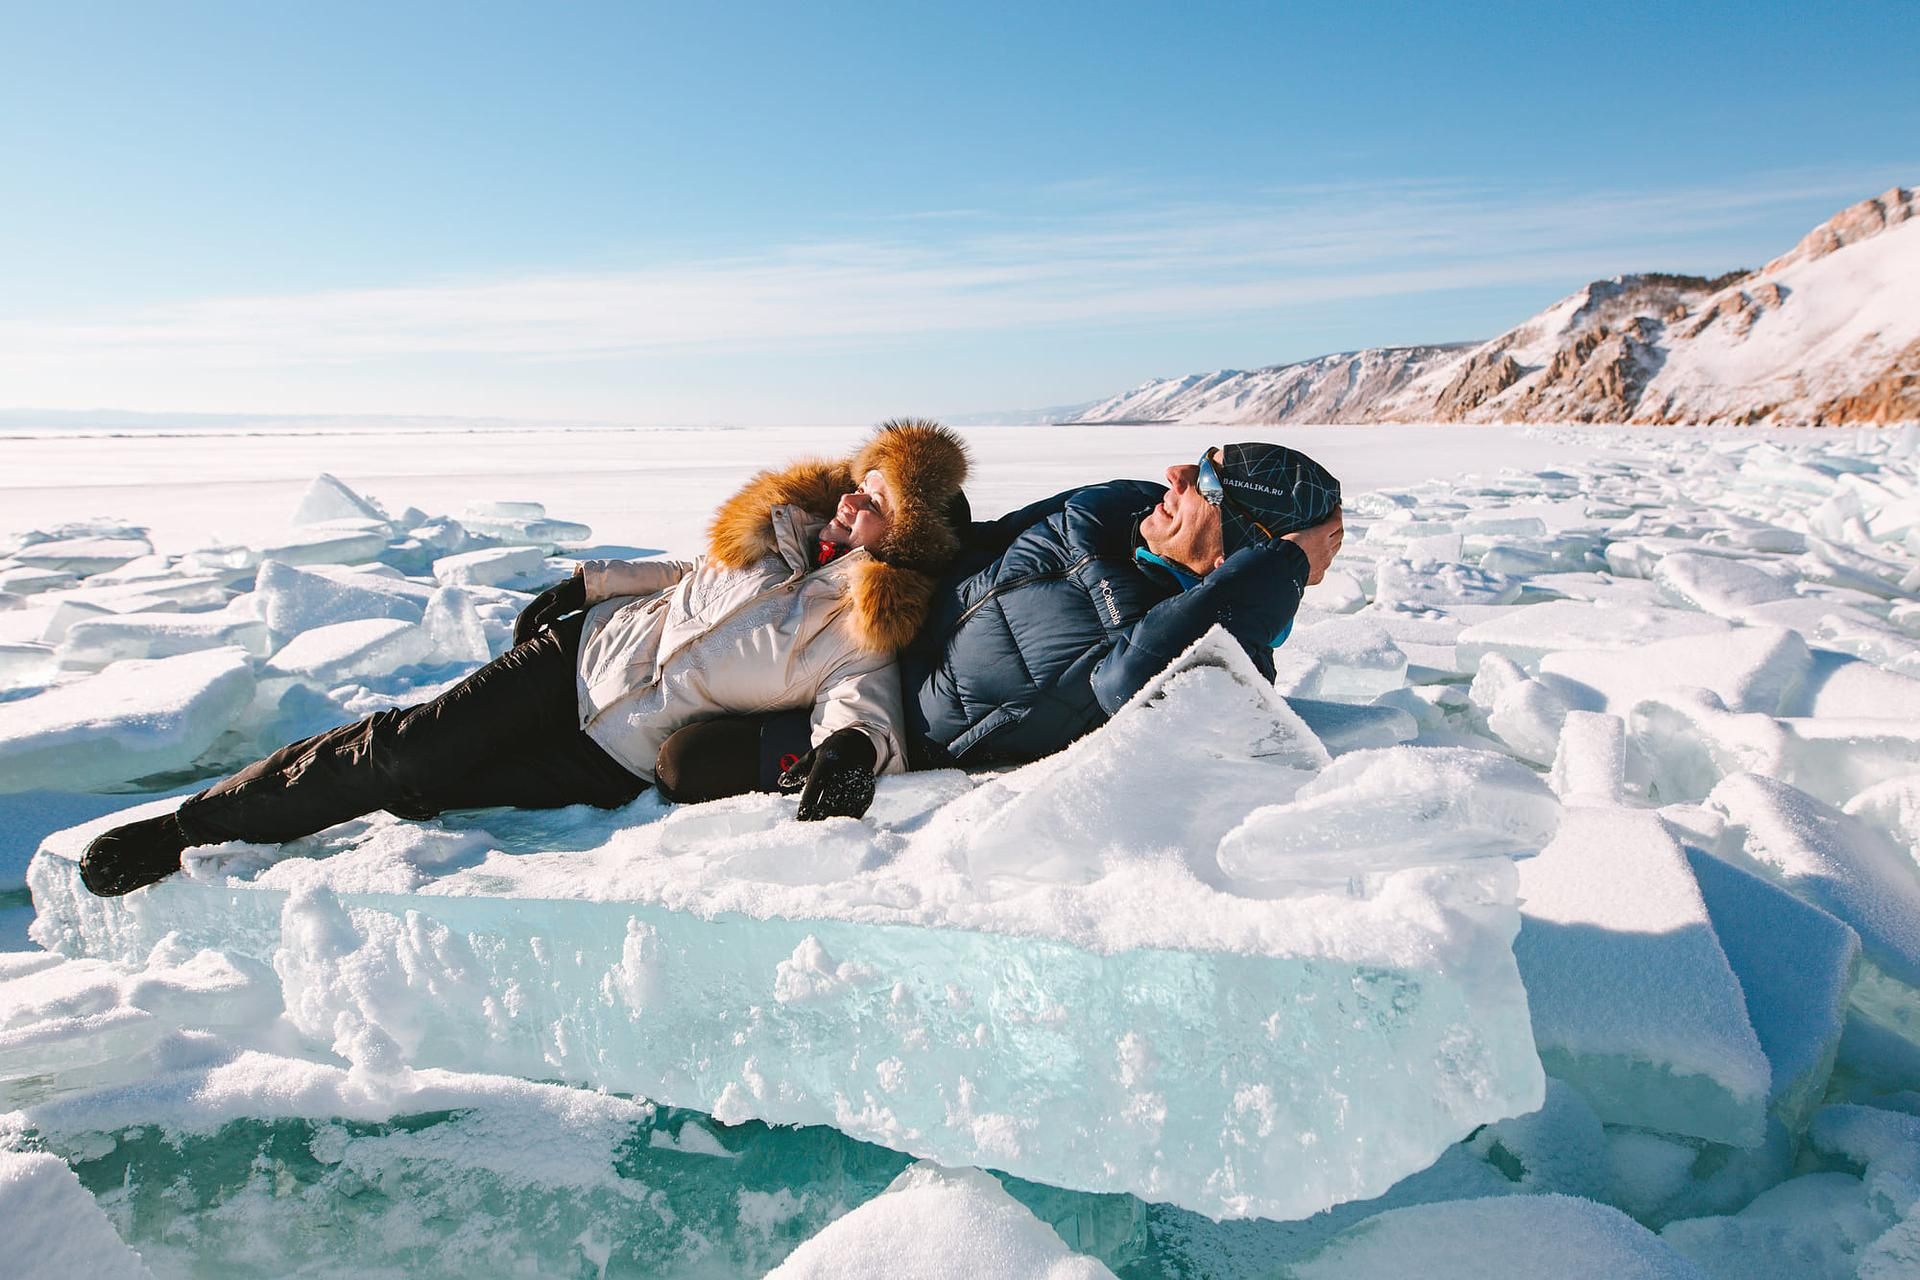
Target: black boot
[(134, 856)]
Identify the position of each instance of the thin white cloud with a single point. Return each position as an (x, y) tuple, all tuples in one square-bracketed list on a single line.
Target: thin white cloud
[(1170, 262)]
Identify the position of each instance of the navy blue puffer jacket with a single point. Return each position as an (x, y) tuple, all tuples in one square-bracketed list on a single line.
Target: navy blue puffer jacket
[(1050, 622)]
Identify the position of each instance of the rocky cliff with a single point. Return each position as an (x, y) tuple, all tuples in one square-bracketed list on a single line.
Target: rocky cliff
[(1828, 333)]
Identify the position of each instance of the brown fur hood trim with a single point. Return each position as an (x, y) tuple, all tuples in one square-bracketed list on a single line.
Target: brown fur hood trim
[(889, 604), (924, 463), (742, 530)]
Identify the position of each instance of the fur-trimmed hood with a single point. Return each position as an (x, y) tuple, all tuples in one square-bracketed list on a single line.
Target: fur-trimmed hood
[(925, 465)]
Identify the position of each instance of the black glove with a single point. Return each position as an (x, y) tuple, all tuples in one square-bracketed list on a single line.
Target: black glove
[(836, 777), (549, 607)]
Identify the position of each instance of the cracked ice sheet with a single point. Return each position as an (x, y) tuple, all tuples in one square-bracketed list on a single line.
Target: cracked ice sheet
[(254, 1085), (300, 1168), (907, 981)]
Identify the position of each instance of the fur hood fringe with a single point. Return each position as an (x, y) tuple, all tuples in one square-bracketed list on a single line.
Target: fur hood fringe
[(925, 465)]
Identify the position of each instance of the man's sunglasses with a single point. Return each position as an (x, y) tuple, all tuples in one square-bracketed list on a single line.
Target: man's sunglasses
[(1214, 490)]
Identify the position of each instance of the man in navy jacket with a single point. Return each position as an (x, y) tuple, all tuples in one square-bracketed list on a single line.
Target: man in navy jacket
[(1058, 613)]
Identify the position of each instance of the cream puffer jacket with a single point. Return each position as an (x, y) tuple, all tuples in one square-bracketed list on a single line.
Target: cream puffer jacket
[(750, 627)]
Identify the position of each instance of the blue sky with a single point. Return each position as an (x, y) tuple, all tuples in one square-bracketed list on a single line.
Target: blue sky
[(836, 212)]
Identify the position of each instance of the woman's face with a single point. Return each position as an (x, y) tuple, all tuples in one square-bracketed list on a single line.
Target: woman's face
[(863, 516)]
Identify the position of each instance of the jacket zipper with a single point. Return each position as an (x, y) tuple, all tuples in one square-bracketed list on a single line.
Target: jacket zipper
[(1044, 576)]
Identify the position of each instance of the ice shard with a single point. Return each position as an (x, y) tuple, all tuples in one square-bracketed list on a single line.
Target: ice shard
[(133, 719), (1634, 1001)]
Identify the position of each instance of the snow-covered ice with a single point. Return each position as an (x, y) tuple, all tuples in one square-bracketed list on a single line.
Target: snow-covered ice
[(1508, 1237), (1590, 759), (1838, 863), (901, 979), (1796, 965), (332, 654), (54, 1226), (1752, 669), (489, 567), (1527, 633), (939, 1224), (134, 719), (294, 600), (1379, 810), (1634, 1001), (92, 643), (1608, 763)]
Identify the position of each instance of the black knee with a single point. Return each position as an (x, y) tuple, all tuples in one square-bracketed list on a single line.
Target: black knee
[(710, 760)]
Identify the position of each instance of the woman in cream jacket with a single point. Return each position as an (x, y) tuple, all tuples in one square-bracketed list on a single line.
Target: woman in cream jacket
[(814, 576)]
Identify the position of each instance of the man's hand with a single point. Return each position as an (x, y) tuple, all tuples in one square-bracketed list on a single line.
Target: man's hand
[(549, 607), (1321, 543), (836, 777)]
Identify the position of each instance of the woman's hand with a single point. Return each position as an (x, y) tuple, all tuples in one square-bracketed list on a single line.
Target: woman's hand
[(550, 606), (836, 777)]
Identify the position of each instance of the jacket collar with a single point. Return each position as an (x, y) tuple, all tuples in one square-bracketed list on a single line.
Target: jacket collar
[(795, 531)]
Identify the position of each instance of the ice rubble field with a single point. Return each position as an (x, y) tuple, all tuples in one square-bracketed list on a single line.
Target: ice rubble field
[(1558, 913)]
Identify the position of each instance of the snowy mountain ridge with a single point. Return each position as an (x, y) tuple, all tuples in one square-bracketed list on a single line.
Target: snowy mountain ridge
[(1823, 335)]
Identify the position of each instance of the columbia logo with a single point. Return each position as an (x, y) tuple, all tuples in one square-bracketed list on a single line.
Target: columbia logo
[(1112, 605)]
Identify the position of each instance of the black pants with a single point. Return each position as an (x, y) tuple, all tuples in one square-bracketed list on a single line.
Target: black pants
[(509, 734)]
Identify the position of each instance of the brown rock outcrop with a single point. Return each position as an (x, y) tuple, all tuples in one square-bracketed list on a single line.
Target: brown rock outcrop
[(1850, 225), (1611, 378), (1735, 308), (1597, 377), (1481, 378), (1893, 396)]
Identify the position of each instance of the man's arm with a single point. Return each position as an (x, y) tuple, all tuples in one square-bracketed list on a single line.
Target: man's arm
[(1254, 595), (983, 541)]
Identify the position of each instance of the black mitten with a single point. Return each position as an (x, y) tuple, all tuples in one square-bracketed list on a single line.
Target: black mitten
[(835, 778), (549, 607)]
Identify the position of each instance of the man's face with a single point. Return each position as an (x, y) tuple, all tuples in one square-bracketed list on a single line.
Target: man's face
[(1185, 527), (863, 516)]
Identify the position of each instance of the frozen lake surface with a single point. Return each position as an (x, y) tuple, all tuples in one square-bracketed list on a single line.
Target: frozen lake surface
[(642, 487), (1565, 889)]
